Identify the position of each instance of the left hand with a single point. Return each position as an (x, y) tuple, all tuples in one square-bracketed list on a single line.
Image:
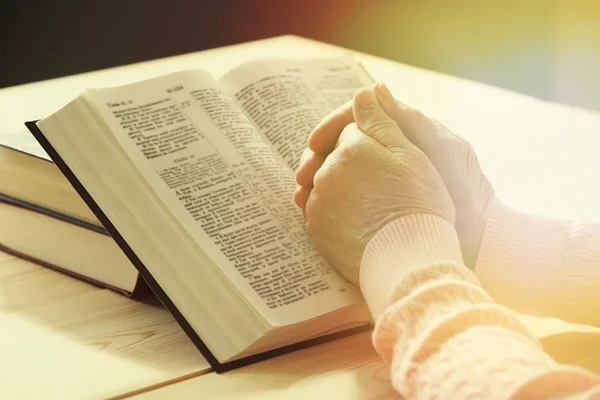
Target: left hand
[(372, 176)]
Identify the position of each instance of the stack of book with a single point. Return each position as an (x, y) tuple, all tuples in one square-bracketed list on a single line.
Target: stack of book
[(44, 220)]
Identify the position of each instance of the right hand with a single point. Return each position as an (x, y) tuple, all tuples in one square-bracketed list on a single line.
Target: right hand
[(456, 162), (453, 157)]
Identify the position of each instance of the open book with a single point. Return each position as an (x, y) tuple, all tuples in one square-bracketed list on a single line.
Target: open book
[(194, 179)]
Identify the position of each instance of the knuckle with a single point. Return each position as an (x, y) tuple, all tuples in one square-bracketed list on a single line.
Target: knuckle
[(460, 145), (350, 140), (440, 127), (347, 150), (419, 122), (350, 150), (467, 147), (408, 154), (320, 179), (414, 160), (415, 115), (399, 105)]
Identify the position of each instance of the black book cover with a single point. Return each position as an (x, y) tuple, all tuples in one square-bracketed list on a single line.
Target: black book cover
[(153, 284)]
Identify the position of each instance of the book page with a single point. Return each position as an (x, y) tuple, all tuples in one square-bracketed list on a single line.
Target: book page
[(205, 160), (286, 99), (25, 143)]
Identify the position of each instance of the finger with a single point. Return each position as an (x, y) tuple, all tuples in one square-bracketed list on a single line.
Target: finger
[(416, 127), (323, 137), (350, 134), (308, 167), (303, 157), (346, 143), (301, 196), (374, 122)]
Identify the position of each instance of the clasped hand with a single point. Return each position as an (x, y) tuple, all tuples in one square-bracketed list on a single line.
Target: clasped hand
[(361, 173), (375, 160)]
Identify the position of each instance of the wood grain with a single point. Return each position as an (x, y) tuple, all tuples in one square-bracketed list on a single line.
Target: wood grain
[(350, 369), (62, 338), (347, 368)]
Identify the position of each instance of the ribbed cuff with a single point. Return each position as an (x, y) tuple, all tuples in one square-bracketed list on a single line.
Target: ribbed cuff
[(519, 257), (401, 246)]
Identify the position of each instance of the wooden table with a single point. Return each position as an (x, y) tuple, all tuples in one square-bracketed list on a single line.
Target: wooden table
[(65, 339), (61, 338)]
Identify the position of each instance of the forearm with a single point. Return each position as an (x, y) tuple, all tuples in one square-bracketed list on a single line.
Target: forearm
[(441, 332), (541, 266)]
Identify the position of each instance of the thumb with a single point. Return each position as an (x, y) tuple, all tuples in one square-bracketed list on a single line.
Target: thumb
[(374, 122), (417, 128)]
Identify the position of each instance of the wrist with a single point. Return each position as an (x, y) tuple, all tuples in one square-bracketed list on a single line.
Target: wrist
[(401, 246), (471, 226)]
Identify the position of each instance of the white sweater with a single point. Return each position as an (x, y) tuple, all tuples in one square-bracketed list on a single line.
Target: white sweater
[(442, 327)]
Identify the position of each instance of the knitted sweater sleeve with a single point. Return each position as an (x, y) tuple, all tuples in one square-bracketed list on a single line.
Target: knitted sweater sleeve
[(543, 267), (443, 334)]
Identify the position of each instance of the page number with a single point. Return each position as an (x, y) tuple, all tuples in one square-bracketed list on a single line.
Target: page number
[(175, 89)]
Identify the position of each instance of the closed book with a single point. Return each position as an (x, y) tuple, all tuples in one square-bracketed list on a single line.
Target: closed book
[(45, 221)]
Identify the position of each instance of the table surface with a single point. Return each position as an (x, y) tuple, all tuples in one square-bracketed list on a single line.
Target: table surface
[(66, 339)]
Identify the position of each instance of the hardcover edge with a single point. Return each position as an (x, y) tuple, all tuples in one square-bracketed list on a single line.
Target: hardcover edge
[(68, 272), (51, 213), (153, 284), (140, 288)]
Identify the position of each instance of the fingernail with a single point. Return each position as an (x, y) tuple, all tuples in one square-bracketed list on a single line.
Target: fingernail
[(384, 92)]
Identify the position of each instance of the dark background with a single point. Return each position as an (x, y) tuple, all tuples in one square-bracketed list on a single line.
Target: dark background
[(549, 49)]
